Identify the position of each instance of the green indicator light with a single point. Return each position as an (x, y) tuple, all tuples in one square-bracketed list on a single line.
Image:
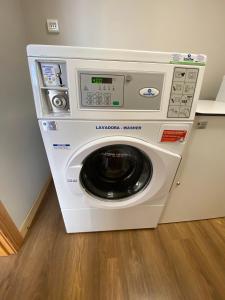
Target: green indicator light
[(116, 102)]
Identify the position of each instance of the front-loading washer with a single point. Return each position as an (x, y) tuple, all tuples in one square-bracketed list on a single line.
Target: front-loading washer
[(115, 146)]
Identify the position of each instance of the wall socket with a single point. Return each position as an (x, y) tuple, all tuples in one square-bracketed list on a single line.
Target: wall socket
[(52, 26)]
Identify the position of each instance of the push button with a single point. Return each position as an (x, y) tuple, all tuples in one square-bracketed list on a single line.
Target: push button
[(107, 98), (89, 96), (116, 103)]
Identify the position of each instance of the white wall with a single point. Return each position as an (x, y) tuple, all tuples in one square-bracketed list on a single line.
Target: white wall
[(175, 25), (23, 165)]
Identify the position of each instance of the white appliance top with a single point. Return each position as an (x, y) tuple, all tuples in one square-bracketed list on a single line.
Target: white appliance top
[(210, 107), (111, 54)]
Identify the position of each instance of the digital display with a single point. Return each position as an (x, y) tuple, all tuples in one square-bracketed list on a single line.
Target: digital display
[(100, 80)]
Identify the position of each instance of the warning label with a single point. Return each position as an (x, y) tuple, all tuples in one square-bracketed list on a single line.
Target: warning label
[(173, 135)]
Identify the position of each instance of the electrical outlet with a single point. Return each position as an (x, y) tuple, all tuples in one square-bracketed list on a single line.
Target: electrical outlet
[(52, 26)]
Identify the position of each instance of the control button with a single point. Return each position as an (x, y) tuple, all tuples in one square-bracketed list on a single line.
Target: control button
[(175, 99), (89, 96), (107, 97), (177, 87), (59, 101), (107, 101), (179, 74), (184, 112), (99, 96), (116, 102), (173, 111), (189, 88), (192, 75), (186, 100)]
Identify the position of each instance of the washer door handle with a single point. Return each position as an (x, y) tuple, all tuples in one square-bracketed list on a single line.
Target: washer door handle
[(72, 179)]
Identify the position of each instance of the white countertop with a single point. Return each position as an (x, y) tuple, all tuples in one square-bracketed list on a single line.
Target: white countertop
[(210, 107)]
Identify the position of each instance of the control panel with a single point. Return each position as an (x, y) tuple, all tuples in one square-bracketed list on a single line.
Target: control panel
[(101, 90), (127, 91), (182, 92), (77, 83)]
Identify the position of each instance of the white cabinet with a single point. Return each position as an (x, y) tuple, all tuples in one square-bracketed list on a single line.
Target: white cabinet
[(198, 191)]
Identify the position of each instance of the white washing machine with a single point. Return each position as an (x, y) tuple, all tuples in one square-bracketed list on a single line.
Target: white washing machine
[(114, 124)]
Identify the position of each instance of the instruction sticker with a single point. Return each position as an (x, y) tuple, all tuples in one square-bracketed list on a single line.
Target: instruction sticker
[(188, 59), (173, 136)]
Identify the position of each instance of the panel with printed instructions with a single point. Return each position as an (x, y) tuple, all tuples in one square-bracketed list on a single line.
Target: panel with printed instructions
[(182, 92)]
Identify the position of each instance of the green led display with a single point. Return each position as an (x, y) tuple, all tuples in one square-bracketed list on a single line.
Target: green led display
[(100, 80), (96, 80)]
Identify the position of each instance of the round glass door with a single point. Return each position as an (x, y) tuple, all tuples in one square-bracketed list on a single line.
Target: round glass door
[(116, 172)]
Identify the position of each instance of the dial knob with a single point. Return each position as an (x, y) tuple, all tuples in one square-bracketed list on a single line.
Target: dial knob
[(59, 101)]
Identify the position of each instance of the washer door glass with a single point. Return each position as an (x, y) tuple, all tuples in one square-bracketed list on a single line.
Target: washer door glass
[(115, 172)]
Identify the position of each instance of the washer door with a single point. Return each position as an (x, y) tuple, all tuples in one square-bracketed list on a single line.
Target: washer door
[(115, 172)]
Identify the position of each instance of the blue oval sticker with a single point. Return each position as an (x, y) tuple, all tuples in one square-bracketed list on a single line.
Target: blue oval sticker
[(149, 92)]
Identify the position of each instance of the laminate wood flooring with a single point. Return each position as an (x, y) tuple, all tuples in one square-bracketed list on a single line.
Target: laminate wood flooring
[(175, 261)]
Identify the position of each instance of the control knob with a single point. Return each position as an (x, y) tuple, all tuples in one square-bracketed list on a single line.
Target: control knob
[(59, 101)]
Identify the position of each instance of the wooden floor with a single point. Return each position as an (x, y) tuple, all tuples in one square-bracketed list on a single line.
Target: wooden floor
[(174, 261)]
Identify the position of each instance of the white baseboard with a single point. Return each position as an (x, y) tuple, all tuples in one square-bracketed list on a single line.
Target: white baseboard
[(31, 214)]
